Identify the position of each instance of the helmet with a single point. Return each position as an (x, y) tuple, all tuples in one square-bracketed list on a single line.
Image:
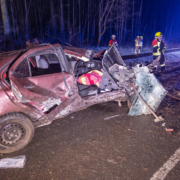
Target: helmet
[(113, 36), (141, 36), (158, 34)]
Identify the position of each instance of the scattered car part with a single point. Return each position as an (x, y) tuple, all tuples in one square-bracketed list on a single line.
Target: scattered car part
[(169, 129), (157, 118), (151, 91), (15, 162)]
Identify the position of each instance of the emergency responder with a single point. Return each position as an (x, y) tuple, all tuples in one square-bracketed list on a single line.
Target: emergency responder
[(140, 45), (137, 41), (113, 41), (159, 47)]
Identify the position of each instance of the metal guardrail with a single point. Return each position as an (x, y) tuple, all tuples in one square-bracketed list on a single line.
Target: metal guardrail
[(148, 54)]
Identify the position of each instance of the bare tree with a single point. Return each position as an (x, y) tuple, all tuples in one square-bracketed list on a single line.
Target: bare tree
[(62, 20), (27, 8), (13, 18), (89, 21), (53, 20), (73, 16), (132, 29), (139, 17), (104, 14), (5, 17), (79, 3)]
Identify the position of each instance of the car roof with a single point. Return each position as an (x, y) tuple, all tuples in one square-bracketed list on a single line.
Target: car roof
[(9, 56)]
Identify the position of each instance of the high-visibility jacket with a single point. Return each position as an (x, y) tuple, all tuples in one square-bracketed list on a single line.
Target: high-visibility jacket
[(158, 47), (111, 42), (137, 41), (141, 42), (158, 50)]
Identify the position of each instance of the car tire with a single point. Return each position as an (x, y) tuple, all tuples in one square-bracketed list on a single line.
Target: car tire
[(16, 131)]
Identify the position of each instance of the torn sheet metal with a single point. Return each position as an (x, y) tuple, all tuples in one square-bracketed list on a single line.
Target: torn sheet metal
[(150, 90), (115, 55), (50, 97), (19, 96), (79, 103), (121, 73), (80, 54)]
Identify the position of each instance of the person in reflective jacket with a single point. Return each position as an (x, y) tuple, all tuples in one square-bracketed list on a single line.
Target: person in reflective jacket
[(137, 42), (159, 47), (113, 41), (140, 45)]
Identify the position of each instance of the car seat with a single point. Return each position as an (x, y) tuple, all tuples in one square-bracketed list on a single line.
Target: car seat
[(43, 64)]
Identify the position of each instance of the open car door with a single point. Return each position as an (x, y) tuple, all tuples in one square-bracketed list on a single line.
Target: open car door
[(38, 83)]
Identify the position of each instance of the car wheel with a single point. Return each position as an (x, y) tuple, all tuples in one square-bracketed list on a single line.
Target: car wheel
[(16, 131)]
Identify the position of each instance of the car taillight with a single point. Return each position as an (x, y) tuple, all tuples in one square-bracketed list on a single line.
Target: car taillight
[(5, 75)]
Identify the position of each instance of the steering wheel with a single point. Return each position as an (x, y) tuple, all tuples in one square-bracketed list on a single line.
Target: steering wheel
[(80, 68)]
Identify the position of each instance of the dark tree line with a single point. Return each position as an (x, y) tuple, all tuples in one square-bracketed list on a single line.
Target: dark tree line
[(88, 21)]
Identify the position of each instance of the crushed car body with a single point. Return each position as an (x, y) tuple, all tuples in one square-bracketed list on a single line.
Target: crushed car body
[(49, 82), (42, 80)]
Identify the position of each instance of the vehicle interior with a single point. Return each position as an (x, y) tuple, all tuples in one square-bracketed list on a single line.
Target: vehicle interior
[(102, 64), (49, 63), (39, 65), (45, 64), (81, 68)]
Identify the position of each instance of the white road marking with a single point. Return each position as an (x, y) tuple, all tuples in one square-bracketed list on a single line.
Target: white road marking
[(167, 167)]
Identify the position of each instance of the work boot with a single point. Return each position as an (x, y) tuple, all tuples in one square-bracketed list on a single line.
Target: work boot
[(163, 70), (157, 73), (154, 69)]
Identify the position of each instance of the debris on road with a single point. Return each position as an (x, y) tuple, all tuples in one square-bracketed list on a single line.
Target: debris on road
[(149, 95), (158, 119), (113, 116), (169, 129), (16, 162)]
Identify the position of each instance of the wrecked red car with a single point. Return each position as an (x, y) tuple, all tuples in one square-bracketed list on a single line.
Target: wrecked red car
[(42, 84)]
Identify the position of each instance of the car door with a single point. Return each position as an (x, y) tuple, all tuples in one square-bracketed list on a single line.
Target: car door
[(43, 91)]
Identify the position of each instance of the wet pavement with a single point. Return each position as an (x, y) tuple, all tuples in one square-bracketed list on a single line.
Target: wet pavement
[(89, 145)]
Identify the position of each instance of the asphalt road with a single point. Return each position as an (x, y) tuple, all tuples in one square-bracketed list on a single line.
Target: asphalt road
[(85, 146)]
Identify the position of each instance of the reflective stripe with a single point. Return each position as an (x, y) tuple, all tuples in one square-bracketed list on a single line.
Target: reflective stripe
[(155, 45), (157, 54), (161, 65)]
